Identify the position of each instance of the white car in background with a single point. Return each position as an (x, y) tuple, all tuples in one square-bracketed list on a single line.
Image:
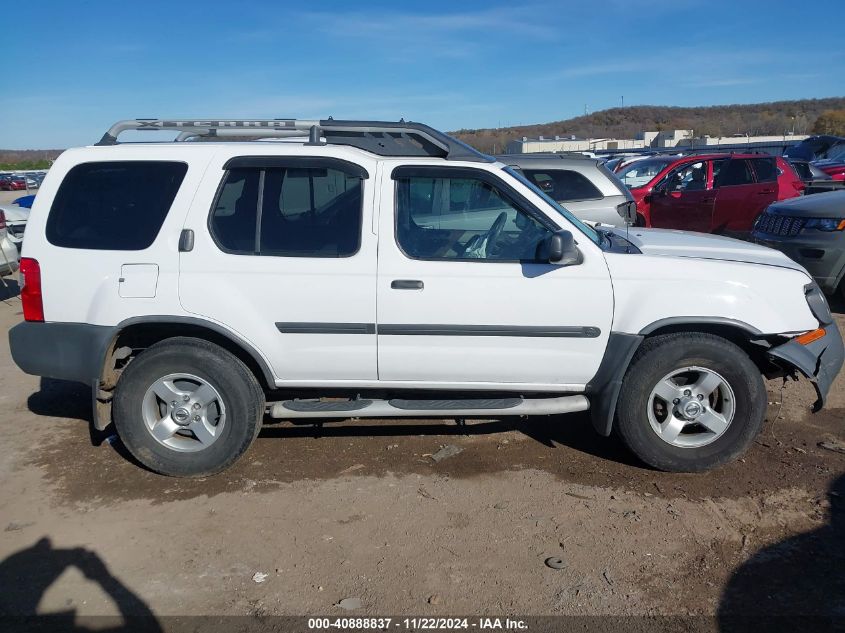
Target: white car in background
[(16, 219), (9, 253)]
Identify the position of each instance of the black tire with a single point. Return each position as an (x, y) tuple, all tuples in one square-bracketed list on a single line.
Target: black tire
[(239, 390), (658, 357)]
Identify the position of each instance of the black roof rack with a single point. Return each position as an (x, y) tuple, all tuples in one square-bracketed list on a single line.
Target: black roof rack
[(384, 138)]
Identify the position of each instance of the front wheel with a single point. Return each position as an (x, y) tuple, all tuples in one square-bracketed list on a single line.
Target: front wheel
[(187, 408), (690, 402)]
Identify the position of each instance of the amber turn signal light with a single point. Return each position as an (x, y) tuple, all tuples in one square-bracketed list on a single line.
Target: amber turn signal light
[(809, 337)]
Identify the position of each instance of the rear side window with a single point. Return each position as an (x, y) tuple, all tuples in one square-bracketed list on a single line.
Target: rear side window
[(563, 185), (736, 172), (803, 170), (116, 206), (765, 169), (288, 212)]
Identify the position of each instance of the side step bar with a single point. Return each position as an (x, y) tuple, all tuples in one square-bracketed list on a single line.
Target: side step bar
[(398, 408)]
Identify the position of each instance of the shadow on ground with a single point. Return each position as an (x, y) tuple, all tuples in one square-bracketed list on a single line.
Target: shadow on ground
[(27, 574), (797, 584)]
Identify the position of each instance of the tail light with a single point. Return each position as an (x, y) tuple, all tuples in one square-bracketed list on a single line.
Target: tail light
[(33, 304), (2, 220)]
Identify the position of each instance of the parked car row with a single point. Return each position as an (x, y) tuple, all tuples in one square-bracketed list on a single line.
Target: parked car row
[(21, 182), (826, 153)]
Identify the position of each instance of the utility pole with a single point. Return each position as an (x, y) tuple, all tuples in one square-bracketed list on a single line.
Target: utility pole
[(623, 101)]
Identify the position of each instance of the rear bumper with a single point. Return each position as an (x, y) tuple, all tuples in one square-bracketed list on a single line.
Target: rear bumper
[(67, 351), (820, 361)]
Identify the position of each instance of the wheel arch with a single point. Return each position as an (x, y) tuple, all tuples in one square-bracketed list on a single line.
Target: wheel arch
[(604, 388), (133, 335)]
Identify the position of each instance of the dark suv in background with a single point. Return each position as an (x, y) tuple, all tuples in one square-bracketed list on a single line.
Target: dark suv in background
[(811, 231)]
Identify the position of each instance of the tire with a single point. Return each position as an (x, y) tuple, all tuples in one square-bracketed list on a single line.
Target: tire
[(740, 399), (227, 421)]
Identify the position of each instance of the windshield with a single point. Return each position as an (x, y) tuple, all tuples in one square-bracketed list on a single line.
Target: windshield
[(584, 228), (641, 172)]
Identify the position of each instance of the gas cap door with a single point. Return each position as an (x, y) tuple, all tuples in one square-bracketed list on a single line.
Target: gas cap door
[(138, 281)]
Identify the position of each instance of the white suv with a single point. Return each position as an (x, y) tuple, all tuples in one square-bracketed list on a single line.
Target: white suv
[(387, 270)]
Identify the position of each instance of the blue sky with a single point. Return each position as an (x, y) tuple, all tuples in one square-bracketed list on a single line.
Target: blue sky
[(83, 65)]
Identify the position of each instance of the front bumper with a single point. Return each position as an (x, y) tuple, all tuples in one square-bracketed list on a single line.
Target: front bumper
[(820, 361), (822, 254)]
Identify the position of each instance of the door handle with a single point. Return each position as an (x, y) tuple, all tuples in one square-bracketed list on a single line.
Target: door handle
[(765, 192), (707, 199), (407, 284)]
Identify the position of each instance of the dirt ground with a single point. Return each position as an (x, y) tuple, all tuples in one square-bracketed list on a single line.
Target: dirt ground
[(360, 510)]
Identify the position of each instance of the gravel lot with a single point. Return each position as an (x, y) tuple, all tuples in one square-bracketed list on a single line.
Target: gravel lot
[(360, 510)]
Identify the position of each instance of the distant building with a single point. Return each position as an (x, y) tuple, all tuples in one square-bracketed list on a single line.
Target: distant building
[(527, 145), (681, 139)]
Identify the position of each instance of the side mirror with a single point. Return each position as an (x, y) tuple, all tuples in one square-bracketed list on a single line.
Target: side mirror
[(559, 248), (628, 212)]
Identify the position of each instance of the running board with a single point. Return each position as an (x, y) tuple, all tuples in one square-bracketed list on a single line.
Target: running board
[(398, 408)]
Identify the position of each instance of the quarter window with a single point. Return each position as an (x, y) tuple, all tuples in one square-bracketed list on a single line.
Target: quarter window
[(463, 219), (117, 205), (300, 212), (563, 185)]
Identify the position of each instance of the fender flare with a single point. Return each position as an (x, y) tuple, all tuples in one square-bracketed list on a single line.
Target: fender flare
[(101, 411), (603, 390)]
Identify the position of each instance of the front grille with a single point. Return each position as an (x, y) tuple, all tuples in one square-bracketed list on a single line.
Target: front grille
[(16, 229), (781, 225)]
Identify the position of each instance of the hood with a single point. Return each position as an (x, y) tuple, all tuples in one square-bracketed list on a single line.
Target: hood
[(671, 243), (15, 214), (830, 204)]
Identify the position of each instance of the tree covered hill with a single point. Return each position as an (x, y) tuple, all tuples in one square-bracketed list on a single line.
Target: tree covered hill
[(725, 120)]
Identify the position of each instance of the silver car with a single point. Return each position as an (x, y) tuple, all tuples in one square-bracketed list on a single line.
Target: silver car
[(581, 184)]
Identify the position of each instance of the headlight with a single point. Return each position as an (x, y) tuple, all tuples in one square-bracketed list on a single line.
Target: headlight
[(825, 224), (818, 303)]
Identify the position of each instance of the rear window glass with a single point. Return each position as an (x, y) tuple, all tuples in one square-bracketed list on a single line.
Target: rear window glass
[(116, 206), (563, 185), (304, 212)]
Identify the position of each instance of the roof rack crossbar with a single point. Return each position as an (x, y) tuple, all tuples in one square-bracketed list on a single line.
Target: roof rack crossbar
[(385, 138)]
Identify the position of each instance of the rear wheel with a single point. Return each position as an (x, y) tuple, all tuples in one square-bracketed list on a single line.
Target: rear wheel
[(188, 408), (690, 402)]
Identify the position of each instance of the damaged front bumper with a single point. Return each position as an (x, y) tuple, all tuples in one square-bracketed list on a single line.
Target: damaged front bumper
[(820, 361)]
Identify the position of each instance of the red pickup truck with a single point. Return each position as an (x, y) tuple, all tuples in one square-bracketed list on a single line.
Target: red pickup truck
[(709, 193)]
